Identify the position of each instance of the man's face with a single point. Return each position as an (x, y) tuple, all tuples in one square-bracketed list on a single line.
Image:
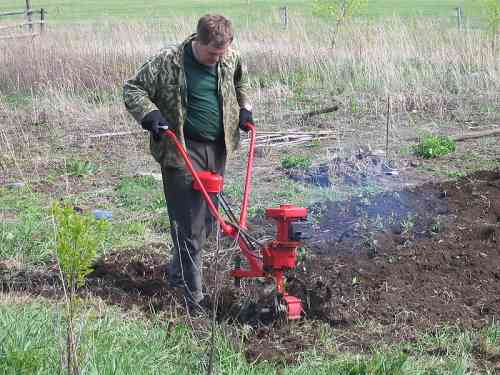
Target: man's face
[(208, 54)]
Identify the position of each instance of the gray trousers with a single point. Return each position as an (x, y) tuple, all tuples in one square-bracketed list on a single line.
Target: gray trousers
[(190, 217)]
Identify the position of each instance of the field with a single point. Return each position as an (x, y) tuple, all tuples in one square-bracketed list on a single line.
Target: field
[(240, 10), (402, 273)]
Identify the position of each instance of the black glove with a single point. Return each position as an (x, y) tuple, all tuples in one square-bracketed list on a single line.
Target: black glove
[(245, 116), (155, 123)]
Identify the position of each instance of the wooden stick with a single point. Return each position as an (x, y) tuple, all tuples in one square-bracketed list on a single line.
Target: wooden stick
[(284, 144), (387, 126), (13, 13), (297, 132), (287, 143), (284, 139), (319, 112), (474, 135), (466, 136), (115, 134)]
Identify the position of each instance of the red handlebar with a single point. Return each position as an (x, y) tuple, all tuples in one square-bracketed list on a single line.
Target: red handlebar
[(248, 177), (228, 229)]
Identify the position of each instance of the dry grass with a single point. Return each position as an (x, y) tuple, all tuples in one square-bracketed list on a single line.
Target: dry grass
[(60, 88)]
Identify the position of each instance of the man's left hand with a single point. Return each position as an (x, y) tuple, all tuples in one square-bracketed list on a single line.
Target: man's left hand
[(245, 116)]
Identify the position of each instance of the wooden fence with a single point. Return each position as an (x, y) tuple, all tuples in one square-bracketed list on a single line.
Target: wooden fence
[(27, 28)]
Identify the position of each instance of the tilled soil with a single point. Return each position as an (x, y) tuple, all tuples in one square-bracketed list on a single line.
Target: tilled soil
[(408, 260)]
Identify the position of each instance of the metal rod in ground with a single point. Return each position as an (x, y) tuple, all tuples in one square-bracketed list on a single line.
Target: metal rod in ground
[(387, 127), (211, 355)]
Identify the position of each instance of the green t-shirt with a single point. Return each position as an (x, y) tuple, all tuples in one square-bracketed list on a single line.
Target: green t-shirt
[(203, 109)]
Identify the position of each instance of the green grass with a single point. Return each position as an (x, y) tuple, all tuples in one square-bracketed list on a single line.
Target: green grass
[(25, 229), (27, 232), (93, 10), (111, 344), (140, 194), (28, 345)]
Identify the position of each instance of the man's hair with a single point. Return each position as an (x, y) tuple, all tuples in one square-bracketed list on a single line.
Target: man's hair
[(214, 29)]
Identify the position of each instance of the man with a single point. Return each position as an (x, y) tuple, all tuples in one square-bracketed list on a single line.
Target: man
[(198, 89)]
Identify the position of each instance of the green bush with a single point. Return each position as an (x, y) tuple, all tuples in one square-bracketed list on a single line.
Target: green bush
[(78, 237), (80, 168), (296, 161), (433, 146)]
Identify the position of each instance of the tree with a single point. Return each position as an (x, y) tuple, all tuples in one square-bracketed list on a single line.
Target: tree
[(340, 11), (78, 237), (492, 8), (491, 15)]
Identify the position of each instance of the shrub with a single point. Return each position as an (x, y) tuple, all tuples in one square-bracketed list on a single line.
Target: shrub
[(296, 161), (433, 146), (77, 239), (80, 168)]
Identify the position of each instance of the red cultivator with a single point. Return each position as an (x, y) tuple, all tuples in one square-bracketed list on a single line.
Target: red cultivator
[(271, 259)]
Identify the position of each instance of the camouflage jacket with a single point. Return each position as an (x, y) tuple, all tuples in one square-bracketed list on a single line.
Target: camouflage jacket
[(161, 84)]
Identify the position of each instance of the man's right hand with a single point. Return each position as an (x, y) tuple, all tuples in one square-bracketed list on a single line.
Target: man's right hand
[(155, 123)]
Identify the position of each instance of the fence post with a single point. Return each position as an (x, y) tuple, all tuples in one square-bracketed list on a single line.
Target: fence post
[(42, 20), (284, 16), (459, 18), (29, 15)]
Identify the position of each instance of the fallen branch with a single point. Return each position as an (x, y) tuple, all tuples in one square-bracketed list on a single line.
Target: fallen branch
[(291, 139), (116, 134), (474, 135), (295, 142), (293, 132), (307, 115), (466, 136)]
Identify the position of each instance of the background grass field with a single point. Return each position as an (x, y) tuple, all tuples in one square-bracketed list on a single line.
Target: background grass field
[(239, 10)]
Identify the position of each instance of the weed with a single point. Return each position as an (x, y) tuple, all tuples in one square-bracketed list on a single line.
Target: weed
[(489, 340), (354, 104), (379, 223), (433, 146), (408, 224), (80, 168), (160, 224), (456, 174), (437, 225), (302, 256), (370, 243), (296, 161)]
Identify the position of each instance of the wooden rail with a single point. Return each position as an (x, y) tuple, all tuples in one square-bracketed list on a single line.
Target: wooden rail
[(20, 25), (29, 22), (22, 12)]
